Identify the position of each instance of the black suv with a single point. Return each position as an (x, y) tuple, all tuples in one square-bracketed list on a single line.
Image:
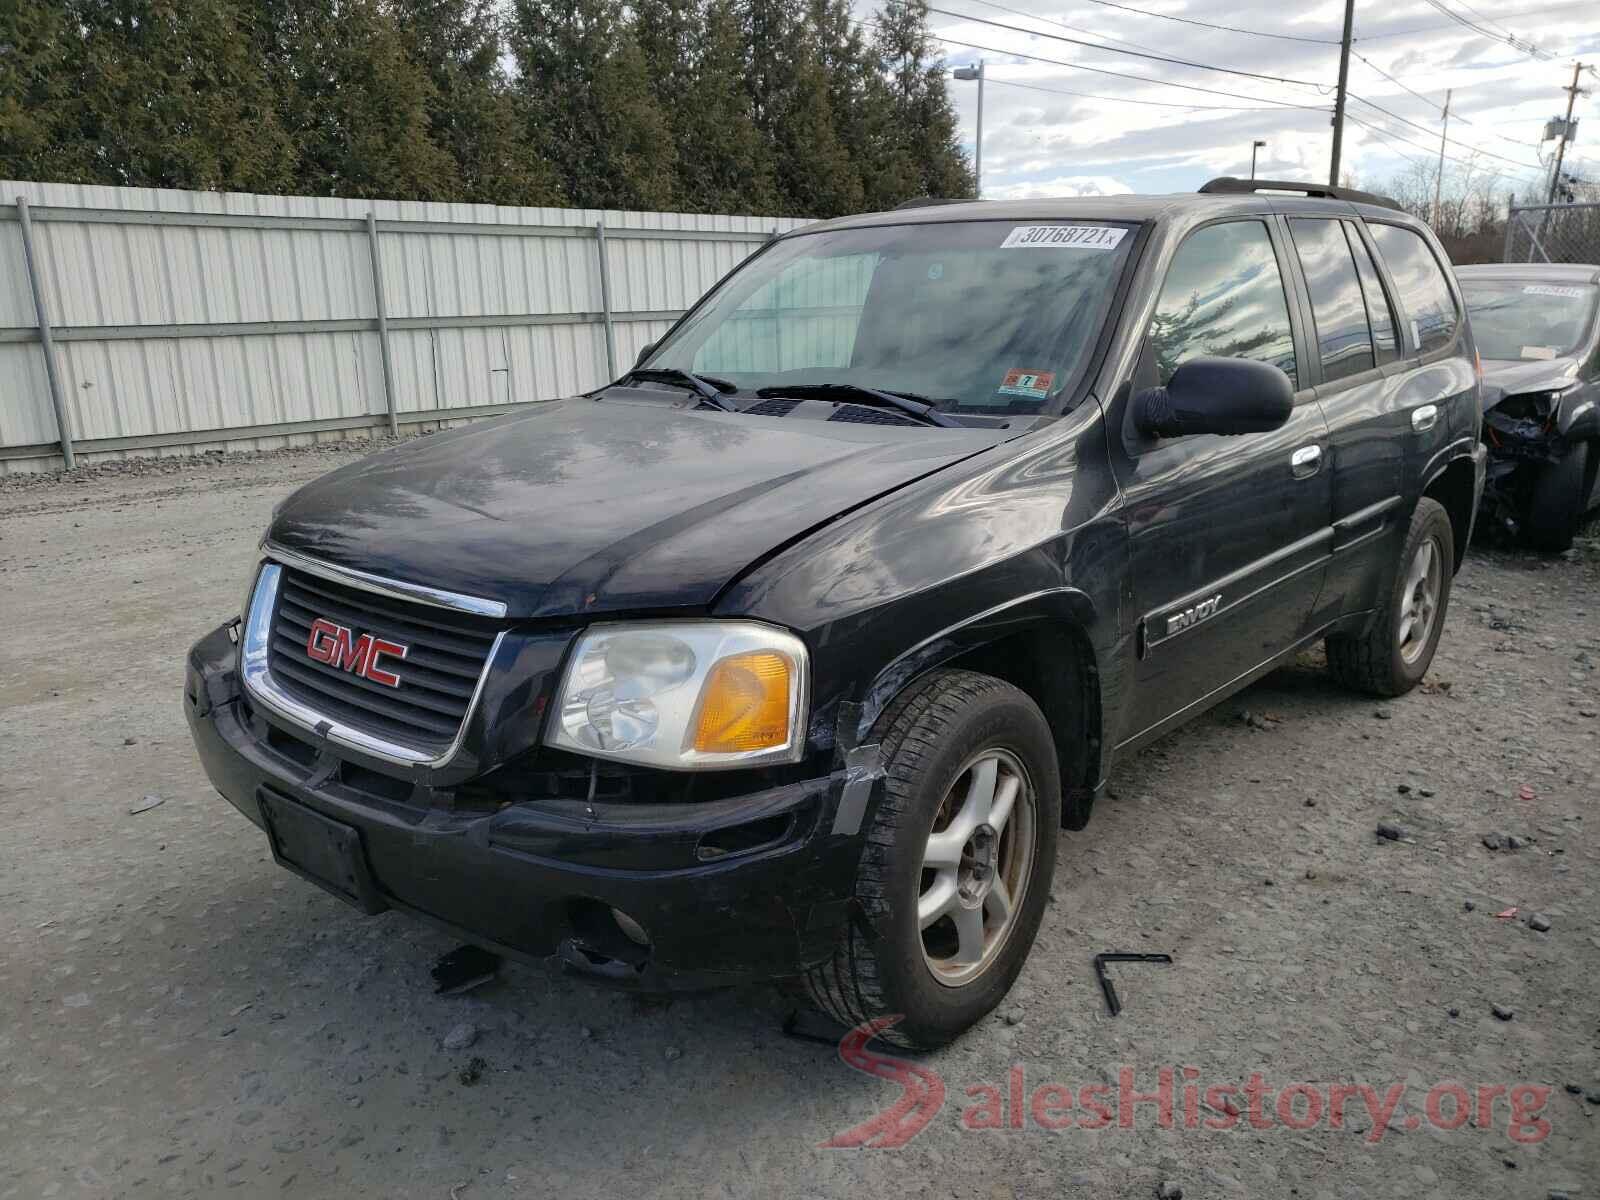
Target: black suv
[(789, 653)]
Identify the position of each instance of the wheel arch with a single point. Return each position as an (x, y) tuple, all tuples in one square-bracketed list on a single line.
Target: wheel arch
[(1454, 486), (1039, 644)]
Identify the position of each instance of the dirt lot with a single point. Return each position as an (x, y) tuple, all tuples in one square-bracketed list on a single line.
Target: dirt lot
[(180, 1017)]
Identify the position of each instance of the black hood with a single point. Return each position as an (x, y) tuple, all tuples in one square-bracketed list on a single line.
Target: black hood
[(1512, 377), (583, 506)]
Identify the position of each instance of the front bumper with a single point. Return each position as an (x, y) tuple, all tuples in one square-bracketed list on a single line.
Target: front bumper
[(731, 890)]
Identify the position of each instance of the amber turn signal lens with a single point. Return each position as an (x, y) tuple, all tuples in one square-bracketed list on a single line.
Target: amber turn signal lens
[(744, 704)]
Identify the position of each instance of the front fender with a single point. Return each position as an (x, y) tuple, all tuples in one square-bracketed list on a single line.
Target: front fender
[(1578, 418), (1051, 608)]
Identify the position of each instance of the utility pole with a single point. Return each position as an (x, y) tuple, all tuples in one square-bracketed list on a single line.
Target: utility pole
[(1338, 104), (1438, 179), (1566, 134)]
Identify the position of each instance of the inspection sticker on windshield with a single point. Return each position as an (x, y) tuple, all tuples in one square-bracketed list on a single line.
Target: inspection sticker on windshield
[(1063, 237), (1033, 384), (1545, 289)]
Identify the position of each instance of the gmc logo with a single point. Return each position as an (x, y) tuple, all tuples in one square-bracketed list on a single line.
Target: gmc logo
[(339, 647)]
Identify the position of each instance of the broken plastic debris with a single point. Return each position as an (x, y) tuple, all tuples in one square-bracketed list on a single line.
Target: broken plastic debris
[(1507, 915), (145, 805)]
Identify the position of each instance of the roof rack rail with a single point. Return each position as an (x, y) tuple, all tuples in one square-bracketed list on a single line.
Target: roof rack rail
[(1228, 185), (930, 201)]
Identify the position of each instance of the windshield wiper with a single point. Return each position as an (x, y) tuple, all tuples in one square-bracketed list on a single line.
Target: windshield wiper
[(708, 388), (909, 403)]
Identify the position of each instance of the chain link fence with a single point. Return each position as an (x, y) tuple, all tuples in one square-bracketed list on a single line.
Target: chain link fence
[(1555, 233)]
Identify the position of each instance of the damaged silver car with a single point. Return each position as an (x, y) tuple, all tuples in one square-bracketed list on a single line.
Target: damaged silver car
[(1538, 333)]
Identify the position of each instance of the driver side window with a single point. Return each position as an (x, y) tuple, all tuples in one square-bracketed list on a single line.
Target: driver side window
[(1224, 297)]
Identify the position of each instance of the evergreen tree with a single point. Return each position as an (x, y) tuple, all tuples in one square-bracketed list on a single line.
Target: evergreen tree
[(353, 102), (143, 93), (41, 63), (473, 114), (695, 57), (756, 106), (585, 84), (924, 151)]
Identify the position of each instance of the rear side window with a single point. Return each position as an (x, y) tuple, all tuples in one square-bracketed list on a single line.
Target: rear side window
[(1424, 294), (1223, 296), (1379, 313), (1343, 338)]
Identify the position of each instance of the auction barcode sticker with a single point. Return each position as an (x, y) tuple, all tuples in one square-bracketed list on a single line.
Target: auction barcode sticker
[(1063, 237), (1545, 289)]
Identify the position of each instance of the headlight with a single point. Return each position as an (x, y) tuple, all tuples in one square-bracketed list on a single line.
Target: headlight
[(684, 694)]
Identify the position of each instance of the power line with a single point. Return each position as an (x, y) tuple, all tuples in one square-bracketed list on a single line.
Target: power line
[(1424, 129), (1063, 25), (1508, 38), (1056, 62), (1284, 37), (1527, 12), (1431, 104), (1179, 62), (1034, 87), (1390, 135)]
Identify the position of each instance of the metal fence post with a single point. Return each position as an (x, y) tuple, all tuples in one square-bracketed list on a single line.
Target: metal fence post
[(36, 282), (383, 322), (605, 299), (1511, 227)]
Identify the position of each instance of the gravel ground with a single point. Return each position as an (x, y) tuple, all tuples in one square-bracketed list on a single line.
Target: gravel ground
[(180, 1017)]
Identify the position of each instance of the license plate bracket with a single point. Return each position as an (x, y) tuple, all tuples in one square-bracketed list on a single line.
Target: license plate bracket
[(320, 850)]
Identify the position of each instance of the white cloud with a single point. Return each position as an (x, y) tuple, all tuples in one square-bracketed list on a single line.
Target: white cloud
[(1065, 185), (1123, 127)]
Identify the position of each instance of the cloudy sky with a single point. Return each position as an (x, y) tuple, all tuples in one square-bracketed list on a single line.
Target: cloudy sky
[(1067, 127)]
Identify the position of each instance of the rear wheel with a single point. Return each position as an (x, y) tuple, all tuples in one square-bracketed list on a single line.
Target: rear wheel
[(957, 863), (1395, 652), (1556, 500)]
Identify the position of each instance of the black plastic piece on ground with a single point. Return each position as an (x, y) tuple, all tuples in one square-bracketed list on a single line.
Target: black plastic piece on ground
[(807, 1025), (463, 969), (1100, 961)]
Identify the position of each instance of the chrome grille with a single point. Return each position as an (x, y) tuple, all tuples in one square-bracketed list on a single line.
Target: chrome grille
[(446, 655)]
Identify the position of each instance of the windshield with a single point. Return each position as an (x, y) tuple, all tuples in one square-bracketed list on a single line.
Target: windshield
[(1526, 320), (993, 317)]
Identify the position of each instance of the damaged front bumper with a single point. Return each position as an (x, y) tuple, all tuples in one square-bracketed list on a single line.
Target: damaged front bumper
[(1519, 448), (710, 893)]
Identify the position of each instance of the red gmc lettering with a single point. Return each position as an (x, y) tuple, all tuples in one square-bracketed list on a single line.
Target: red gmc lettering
[(339, 647)]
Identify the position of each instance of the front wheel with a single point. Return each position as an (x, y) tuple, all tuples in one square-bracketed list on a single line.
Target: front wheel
[(957, 863), (1395, 652)]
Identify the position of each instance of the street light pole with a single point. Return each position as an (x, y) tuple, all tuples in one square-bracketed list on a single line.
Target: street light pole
[(970, 73), (1254, 146)]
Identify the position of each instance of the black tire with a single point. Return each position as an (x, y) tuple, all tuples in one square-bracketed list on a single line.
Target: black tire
[(1375, 662), (878, 969), (1556, 501)]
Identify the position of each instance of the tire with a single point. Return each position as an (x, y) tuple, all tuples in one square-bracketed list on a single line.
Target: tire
[(1391, 657), (1556, 501), (936, 739)]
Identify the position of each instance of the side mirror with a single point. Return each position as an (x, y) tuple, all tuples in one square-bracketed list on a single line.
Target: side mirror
[(1216, 395), (645, 352)]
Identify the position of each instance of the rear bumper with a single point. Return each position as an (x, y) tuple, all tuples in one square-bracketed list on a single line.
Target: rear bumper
[(538, 879)]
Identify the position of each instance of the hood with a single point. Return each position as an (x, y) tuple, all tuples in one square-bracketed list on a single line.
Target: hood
[(1512, 377), (582, 506)]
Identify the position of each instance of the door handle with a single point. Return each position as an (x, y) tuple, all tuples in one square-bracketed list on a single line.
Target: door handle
[(1424, 418), (1306, 461)]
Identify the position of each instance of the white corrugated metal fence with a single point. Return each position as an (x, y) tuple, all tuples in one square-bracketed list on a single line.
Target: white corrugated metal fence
[(199, 320)]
